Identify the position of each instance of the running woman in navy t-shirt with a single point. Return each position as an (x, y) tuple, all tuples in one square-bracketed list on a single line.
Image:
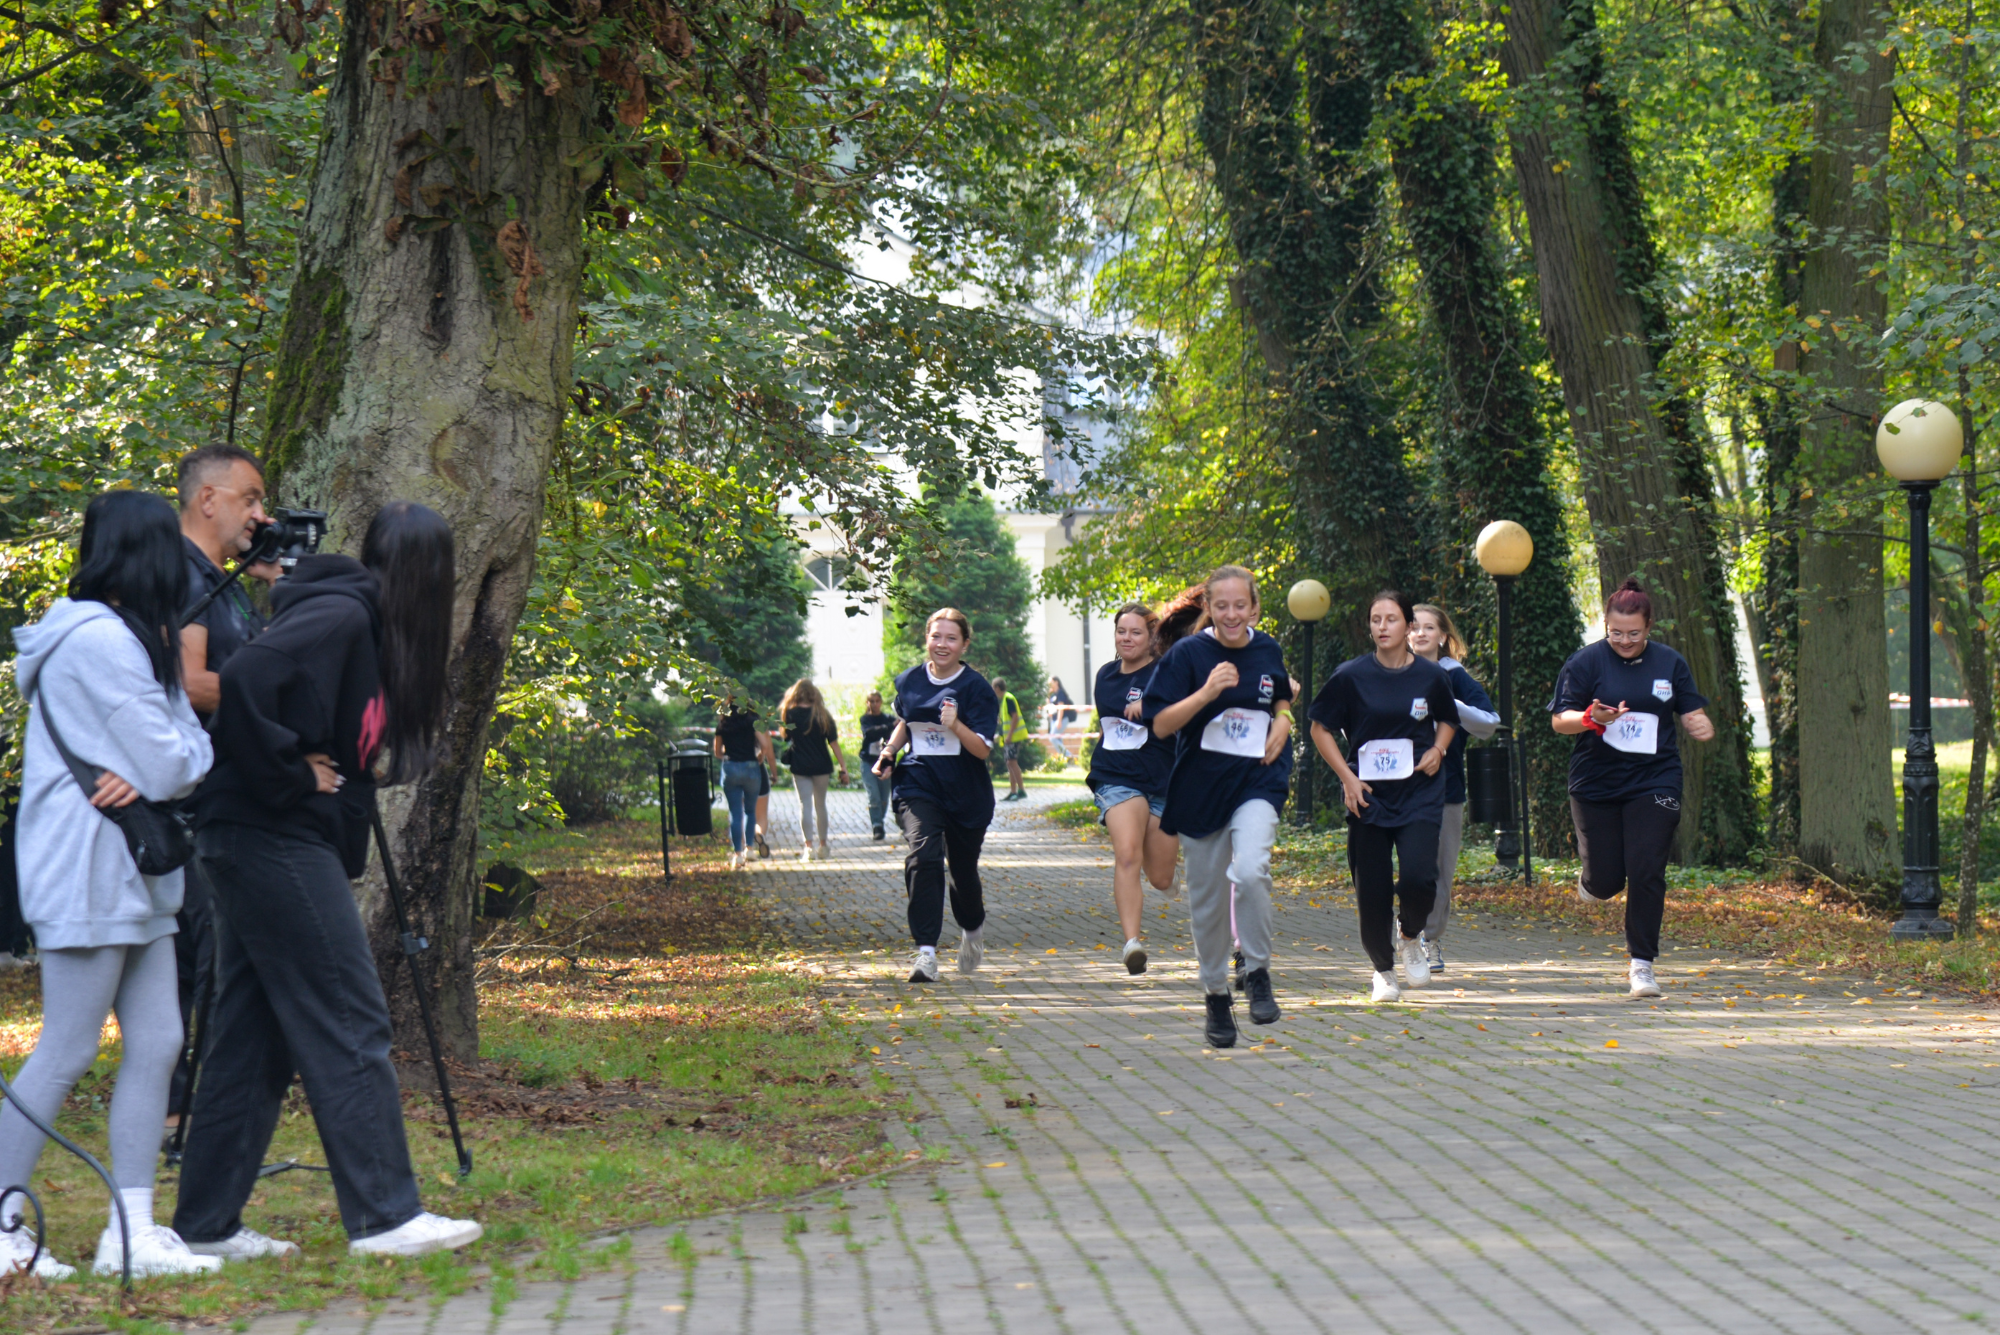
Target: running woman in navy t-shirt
[(1619, 697), (1397, 713), (1225, 693), (1433, 636), (943, 796), (1128, 775)]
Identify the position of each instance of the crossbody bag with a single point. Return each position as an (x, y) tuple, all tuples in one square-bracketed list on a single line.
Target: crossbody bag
[(159, 835)]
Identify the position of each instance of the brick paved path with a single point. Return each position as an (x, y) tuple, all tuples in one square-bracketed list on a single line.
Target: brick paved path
[(1517, 1149)]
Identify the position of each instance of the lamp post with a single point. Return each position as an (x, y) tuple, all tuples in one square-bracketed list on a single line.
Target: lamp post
[(1919, 443), (1308, 602), (1504, 550)]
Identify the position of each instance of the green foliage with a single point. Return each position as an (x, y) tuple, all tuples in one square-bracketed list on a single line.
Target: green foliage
[(974, 568), (753, 626)]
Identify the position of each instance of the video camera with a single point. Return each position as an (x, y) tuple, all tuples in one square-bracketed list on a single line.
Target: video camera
[(289, 535)]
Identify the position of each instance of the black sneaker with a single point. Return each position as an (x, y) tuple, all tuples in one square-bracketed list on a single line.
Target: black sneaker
[(1236, 969), (763, 849), (878, 834), (1263, 1006), (1221, 1030)]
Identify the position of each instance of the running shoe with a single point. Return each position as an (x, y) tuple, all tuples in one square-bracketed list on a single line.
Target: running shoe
[(1385, 988), (1236, 969), (1434, 954), (1135, 956), (1642, 979), (1416, 969), (925, 970), (421, 1236), (1221, 1028), (243, 1245), (1263, 1005), (156, 1250), (763, 848), (971, 951), (806, 853), (878, 834), (825, 853), (17, 1247)]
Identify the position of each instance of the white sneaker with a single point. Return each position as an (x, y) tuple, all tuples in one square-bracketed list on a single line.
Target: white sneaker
[(824, 851), (1434, 955), (1642, 979), (245, 1244), (423, 1235), (1135, 956), (1416, 968), (806, 853), (971, 951), (1584, 894), (156, 1250), (925, 969), (18, 1246), (1385, 988)]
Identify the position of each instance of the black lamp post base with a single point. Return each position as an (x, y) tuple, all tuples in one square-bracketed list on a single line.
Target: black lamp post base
[(1922, 925)]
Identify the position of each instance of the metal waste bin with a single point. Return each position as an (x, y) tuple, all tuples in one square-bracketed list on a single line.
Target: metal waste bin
[(1489, 785), (694, 792)]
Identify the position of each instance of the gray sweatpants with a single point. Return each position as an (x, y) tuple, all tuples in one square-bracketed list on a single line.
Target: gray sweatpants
[(79, 988), (1451, 838), (812, 805), (1241, 852)]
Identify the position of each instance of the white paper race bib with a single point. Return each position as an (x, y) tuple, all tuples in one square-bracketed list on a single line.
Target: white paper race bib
[(933, 739), (1237, 732), (1391, 758), (1123, 734), (1637, 733)]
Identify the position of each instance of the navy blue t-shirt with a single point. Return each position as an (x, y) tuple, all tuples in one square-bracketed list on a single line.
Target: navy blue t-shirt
[(959, 783), (1144, 767), (1369, 703), (1466, 689), (1207, 784), (1658, 683)]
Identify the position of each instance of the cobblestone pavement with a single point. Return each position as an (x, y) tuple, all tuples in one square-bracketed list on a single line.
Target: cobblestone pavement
[(1516, 1149)]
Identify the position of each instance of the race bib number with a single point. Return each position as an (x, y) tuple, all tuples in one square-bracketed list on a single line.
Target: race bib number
[(1635, 733), (1392, 758), (1124, 735), (933, 739), (1237, 732)]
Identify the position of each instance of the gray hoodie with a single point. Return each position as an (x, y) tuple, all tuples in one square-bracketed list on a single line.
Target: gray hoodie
[(79, 885)]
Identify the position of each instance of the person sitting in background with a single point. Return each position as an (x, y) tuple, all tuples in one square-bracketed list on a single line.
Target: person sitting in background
[(1013, 734), (810, 734), (875, 729)]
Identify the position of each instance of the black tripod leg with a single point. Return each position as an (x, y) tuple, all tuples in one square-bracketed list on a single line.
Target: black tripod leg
[(412, 945)]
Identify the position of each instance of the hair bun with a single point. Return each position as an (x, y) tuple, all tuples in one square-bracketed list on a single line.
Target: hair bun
[(1631, 585)]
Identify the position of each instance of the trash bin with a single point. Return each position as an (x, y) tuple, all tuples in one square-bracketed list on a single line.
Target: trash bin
[(1489, 785), (694, 793)]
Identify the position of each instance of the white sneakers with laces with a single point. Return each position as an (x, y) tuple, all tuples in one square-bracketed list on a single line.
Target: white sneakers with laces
[(1385, 988), (925, 969), (245, 1244), (1642, 979), (18, 1246), (423, 1235), (971, 951), (1416, 966), (156, 1250)]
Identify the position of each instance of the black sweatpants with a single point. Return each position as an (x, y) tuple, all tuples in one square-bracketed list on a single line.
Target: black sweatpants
[(1377, 886), (295, 991), (1624, 847), (935, 839), (194, 959)]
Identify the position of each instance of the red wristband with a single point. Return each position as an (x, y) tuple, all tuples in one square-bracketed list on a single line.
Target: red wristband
[(1592, 723)]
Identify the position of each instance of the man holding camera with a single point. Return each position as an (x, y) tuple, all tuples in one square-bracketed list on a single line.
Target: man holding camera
[(222, 507)]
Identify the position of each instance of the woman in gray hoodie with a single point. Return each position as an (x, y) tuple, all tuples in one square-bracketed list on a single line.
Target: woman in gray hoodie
[(104, 665)]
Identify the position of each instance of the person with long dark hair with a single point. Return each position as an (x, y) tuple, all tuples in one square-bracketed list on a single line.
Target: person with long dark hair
[(1620, 698), (1396, 711), (353, 664), (948, 716), (101, 673), (1224, 693), (745, 752), (1433, 636), (1129, 767)]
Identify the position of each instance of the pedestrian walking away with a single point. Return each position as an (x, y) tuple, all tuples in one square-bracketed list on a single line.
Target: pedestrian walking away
[(1395, 712), (1224, 695), (745, 752), (876, 725), (812, 751), (1129, 767), (947, 716), (108, 724), (1013, 736), (1060, 716), (1620, 698), (1434, 637)]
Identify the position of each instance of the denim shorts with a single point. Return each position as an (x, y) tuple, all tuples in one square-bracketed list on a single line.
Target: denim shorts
[(1111, 794)]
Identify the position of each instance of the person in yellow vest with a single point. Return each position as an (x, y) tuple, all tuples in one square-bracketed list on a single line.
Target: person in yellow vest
[(1013, 732)]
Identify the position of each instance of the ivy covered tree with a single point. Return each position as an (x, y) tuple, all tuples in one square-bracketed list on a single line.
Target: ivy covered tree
[(973, 567)]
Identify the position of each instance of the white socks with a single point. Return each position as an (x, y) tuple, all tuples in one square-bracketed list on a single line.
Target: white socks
[(138, 1208), (928, 952), (1132, 943)]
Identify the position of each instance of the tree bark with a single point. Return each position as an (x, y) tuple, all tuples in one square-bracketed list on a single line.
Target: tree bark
[(1972, 668), (426, 356), (1645, 482), (1847, 829), (1493, 459)]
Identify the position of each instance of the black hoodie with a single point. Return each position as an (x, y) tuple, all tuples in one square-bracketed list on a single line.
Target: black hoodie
[(309, 683)]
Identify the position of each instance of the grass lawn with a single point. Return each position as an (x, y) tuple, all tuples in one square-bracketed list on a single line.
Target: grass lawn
[(645, 1056)]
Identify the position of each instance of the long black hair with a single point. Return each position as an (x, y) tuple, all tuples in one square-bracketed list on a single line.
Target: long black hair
[(409, 547), (132, 559)]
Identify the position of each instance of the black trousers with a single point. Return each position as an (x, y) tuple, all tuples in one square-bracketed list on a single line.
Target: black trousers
[(295, 992), (1377, 886), (1624, 847), (935, 839), (194, 959)]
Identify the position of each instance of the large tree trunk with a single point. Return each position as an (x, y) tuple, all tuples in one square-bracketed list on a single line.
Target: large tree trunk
[(426, 356), (1847, 814), (1494, 461), (1644, 478)]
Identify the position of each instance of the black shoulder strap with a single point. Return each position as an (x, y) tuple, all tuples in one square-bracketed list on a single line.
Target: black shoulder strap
[(86, 777)]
